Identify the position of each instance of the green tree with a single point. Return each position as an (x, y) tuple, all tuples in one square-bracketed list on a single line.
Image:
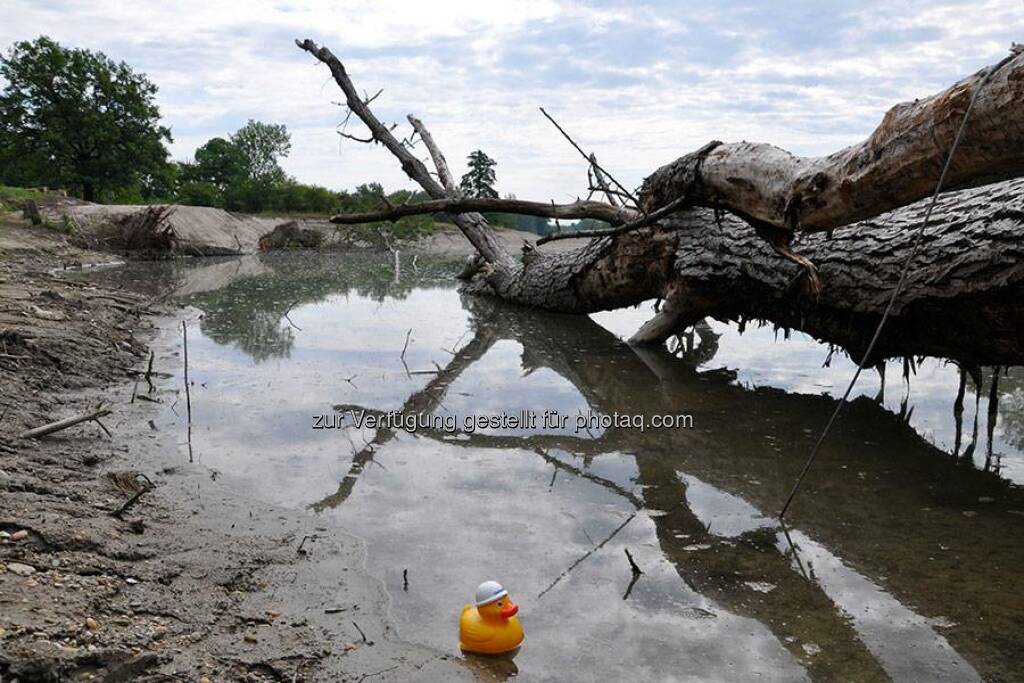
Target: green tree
[(261, 145), (220, 162), (75, 118), (479, 181)]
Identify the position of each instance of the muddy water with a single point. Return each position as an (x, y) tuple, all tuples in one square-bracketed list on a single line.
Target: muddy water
[(902, 552)]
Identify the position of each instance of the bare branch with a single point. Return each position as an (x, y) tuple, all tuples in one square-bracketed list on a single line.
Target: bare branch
[(602, 182), (349, 136), (578, 209), (473, 226), (440, 163), (590, 158), (642, 222)]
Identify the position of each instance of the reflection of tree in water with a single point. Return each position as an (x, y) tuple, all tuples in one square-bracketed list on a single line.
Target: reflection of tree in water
[(250, 312), (1011, 407), (886, 501)]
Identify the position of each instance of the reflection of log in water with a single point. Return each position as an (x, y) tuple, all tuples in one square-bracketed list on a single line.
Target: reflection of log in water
[(867, 499)]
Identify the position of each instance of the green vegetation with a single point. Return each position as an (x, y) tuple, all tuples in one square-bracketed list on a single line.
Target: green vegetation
[(12, 197), (74, 119), (479, 180)]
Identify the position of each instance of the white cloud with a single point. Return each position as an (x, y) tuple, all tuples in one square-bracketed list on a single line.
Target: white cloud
[(639, 84)]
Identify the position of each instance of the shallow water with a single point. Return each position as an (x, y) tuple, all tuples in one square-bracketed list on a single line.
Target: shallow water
[(898, 564)]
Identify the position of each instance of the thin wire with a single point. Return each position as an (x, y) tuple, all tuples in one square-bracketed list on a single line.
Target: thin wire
[(896, 291)]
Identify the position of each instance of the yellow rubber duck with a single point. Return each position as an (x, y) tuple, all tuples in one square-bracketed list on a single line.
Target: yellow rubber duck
[(490, 626)]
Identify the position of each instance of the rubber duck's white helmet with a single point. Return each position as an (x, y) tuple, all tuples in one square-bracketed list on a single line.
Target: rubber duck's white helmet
[(489, 591)]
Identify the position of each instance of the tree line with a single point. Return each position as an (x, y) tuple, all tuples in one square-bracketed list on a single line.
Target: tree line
[(75, 119)]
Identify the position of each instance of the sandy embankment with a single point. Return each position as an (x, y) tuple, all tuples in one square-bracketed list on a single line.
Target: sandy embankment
[(201, 230)]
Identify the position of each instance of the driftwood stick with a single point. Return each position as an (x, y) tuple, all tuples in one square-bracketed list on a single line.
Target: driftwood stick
[(633, 566), (188, 393), (458, 205), (131, 501), (64, 424), (149, 373)]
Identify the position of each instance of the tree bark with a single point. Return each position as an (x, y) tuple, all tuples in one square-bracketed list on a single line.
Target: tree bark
[(701, 255)]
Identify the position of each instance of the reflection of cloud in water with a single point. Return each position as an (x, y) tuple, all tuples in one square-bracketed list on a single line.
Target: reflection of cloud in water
[(457, 514), (902, 640), (430, 503)]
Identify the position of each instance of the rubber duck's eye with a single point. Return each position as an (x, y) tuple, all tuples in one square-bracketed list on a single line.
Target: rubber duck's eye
[(499, 603)]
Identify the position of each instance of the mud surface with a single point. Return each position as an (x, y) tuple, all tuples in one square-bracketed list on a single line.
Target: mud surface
[(119, 560)]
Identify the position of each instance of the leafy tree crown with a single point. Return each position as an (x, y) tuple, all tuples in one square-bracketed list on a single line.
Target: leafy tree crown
[(75, 118)]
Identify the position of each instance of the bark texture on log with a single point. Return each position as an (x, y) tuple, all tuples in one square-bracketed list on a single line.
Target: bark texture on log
[(968, 277)]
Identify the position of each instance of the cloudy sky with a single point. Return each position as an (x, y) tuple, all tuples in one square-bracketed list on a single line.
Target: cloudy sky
[(638, 83)]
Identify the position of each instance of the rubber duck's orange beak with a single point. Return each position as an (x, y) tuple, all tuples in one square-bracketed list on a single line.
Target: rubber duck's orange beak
[(509, 610)]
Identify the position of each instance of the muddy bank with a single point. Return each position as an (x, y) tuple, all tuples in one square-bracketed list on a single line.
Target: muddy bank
[(190, 581)]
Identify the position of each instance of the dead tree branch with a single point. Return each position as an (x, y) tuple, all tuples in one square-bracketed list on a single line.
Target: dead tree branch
[(578, 209)]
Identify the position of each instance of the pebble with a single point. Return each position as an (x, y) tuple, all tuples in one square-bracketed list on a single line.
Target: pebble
[(249, 638), (204, 679), (159, 632), (20, 569), (19, 535), (91, 624)]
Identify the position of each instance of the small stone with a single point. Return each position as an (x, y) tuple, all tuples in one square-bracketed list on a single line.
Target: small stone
[(969, 513), (159, 633), (20, 569), (760, 586), (91, 624), (19, 535), (986, 499), (4, 536), (250, 638), (811, 649), (204, 679), (272, 614), (696, 546), (130, 581)]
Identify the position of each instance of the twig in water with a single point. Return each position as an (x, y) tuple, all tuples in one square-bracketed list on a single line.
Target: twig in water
[(361, 634), (149, 373), (632, 564), (406, 346), (188, 394), (289, 310)]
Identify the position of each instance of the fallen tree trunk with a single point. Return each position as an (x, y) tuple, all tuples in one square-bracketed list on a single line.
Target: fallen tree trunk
[(962, 300)]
